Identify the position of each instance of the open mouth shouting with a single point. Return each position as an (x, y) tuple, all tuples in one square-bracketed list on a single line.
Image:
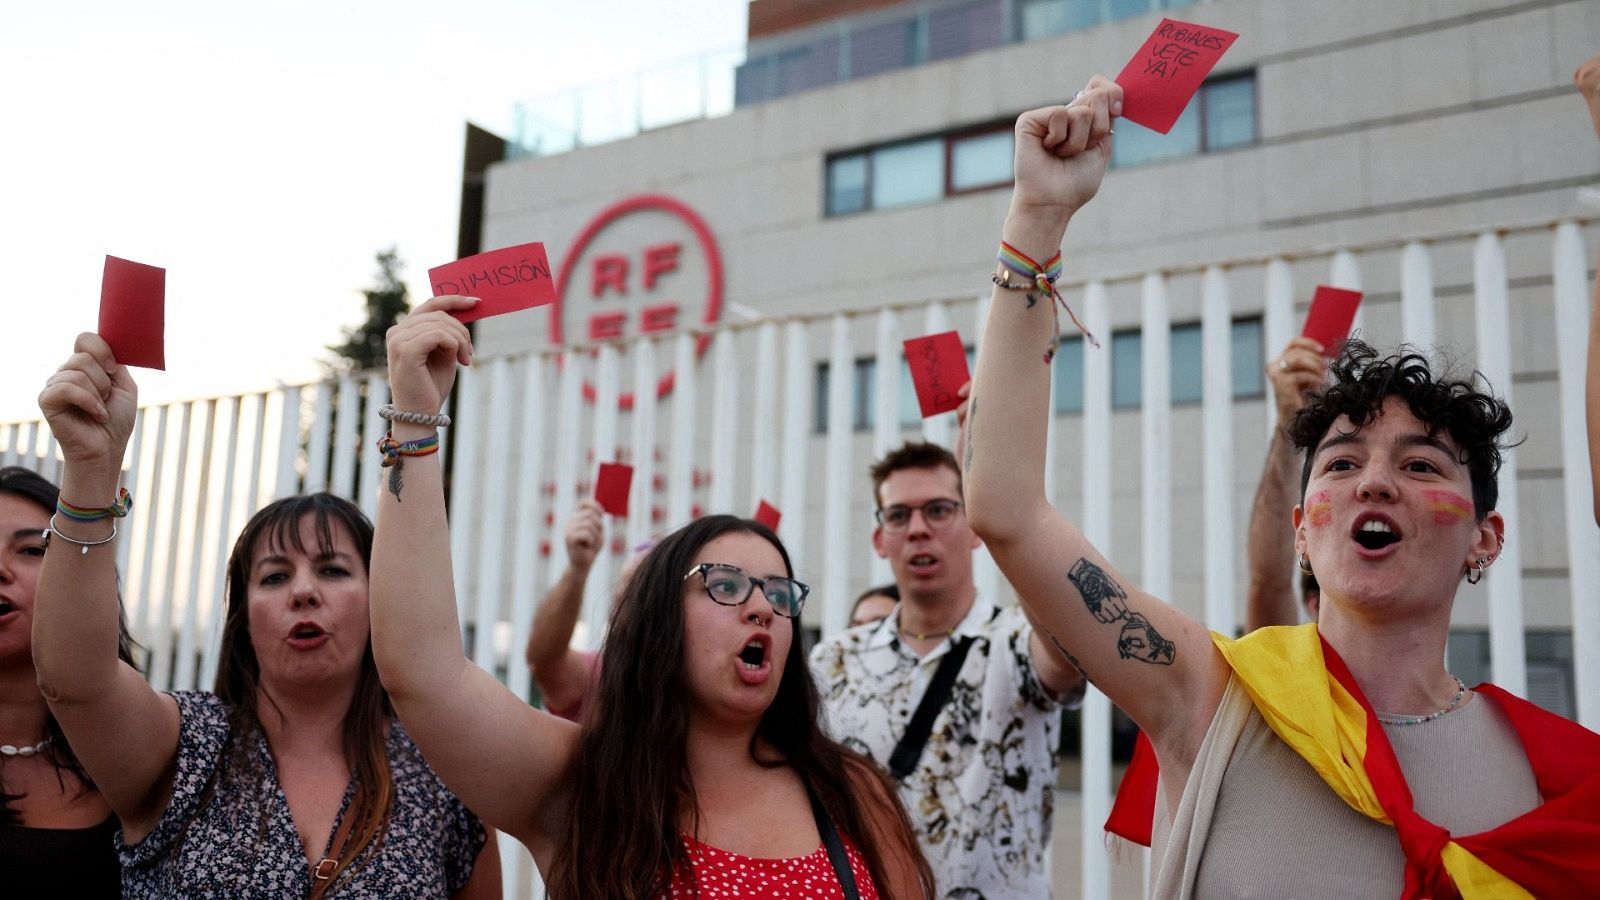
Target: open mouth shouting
[(922, 564), (1376, 534), (307, 636), (6, 609), (755, 660)]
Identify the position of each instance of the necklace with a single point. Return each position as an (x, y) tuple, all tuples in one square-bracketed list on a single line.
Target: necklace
[(8, 750), (1461, 692), (926, 636)]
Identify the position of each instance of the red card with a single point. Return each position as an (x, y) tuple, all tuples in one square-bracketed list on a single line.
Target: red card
[(611, 487), (768, 515), (939, 369), (133, 298), (1164, 75), (505, 280), (1332, 312)]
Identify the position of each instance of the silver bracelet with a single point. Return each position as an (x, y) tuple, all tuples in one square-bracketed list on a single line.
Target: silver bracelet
[(389, 413), (54, 531)]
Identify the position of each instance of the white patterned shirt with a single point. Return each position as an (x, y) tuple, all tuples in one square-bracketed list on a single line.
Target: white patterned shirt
[(983, 792)]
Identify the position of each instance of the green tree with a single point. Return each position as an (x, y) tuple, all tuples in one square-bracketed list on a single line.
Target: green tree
[(386, 303)]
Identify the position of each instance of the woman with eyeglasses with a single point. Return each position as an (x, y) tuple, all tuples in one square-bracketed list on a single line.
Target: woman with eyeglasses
[(700, 770)]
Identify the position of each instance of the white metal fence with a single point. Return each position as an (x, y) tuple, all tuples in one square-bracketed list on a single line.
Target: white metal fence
[(742, 427)]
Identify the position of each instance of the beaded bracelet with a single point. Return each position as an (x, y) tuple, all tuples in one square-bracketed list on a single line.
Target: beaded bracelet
[(118, 508), (390, 413), (1043, 279)]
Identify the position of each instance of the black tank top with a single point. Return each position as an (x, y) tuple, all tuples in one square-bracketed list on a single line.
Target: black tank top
[(66, 862)]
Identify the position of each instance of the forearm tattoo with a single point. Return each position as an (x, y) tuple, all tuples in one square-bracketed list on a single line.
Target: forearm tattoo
[(396, 483), (972, 416), (1107, 602)]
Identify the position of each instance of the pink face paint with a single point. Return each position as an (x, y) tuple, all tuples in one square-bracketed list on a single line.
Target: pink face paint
[(1319, 509), (1448, 507)]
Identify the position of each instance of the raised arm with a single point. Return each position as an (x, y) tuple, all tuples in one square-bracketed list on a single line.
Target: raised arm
[(1587, 78), (1156, 663), (563, 674), (504, 759), (1270, 599), (124, 733)]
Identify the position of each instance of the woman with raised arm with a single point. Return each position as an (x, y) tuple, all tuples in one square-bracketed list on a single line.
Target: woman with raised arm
[(700, 768), (1332, 759), (290, 779), (55, 828)]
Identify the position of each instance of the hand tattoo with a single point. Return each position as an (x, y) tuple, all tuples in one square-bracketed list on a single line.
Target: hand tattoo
[(1105, 599), (1140, 640)]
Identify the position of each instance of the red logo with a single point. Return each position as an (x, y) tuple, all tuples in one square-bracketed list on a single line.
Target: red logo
[(646, 265)]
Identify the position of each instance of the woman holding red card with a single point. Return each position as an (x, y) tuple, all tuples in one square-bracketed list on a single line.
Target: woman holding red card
[(1332, 759), (291, 779), (700, 768)]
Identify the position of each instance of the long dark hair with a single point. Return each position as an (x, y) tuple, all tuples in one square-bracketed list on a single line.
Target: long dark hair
[(239, 672), (33, 487), (631, 787)]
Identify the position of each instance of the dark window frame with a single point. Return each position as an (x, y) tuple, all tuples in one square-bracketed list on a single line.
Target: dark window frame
[(954, 137)]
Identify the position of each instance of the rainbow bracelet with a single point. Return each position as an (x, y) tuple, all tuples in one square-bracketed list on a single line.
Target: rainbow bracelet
[(118, 509), (1044, 279), (393, 450)]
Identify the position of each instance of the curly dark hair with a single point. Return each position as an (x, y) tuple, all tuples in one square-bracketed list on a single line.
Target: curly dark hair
[(1361, 381)]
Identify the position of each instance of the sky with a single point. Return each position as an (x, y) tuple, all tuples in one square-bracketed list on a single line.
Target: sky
[(263, 153)]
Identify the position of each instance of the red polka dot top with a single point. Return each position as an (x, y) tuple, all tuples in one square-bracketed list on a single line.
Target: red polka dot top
[(722, 874)]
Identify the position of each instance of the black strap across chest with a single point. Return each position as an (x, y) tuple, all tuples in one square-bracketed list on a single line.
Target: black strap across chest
[(903, 761), (836, 854)]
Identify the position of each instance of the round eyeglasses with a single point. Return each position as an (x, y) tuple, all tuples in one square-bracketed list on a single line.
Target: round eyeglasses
[(732, 586), (937, 513)]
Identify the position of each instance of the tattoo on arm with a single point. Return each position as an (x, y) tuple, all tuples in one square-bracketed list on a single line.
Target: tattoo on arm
[(1070, 658), (396, 483), (1107, 602), (1104, 597), (972, 416)]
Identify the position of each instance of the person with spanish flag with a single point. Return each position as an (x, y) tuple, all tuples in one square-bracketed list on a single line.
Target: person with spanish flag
[(1334, 759)]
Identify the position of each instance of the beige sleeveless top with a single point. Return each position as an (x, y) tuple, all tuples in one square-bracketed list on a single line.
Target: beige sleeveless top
[(1256, 820)]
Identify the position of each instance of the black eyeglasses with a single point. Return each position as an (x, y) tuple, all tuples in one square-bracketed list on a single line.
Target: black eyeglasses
[(937, 513), (732, 586)]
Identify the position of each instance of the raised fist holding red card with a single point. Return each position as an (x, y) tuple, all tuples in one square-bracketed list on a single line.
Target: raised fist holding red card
[(1164, 75), (505, 280), (939, 370), (611, 487)]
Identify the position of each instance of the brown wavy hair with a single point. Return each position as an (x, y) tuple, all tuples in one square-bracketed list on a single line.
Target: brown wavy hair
[(29, 485), (366, 724), (630, 781)]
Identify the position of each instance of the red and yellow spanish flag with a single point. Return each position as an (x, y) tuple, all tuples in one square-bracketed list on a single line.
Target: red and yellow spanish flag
[(1308, 697)]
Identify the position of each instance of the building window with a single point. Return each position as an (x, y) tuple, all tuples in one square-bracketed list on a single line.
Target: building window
[(1549, 661), (981, 160), (847, 184), (904, 174), (1186, 365), (1221, 117)]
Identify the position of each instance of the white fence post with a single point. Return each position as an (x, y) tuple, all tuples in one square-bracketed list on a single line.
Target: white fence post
[(836, 531), (1096, 712), (1507, 654), (1583, 537), (1216, 330), (1416, 296)]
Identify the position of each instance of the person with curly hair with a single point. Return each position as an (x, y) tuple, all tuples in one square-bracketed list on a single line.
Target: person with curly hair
[(1336, 758)]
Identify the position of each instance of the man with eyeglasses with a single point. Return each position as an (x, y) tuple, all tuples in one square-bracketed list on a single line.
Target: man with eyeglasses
[(972, 747)]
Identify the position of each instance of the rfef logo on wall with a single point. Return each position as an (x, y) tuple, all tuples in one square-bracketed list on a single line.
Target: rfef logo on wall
[(646, 265)]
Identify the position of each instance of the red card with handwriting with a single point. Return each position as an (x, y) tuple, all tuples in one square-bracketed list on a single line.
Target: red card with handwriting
[(504, 280), (938, 369), (1332, 312), (768, 515), (1164, 75), (133, 299), (611, 487)]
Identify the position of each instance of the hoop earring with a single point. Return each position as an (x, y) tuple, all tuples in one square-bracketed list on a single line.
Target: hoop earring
[(1476, 570), (1305, 564)]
